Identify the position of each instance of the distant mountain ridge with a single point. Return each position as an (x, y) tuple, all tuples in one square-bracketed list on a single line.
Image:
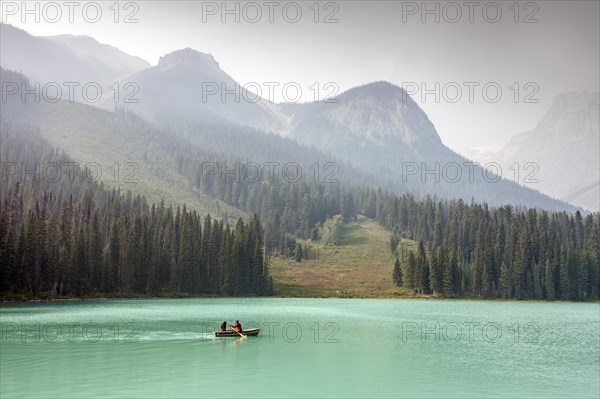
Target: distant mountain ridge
[(64, 58), (85, 47), (190, 83), (564, 148), (376, 127)]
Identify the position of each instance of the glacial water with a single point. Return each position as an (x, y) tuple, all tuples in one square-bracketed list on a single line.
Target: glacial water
[(307, 348)]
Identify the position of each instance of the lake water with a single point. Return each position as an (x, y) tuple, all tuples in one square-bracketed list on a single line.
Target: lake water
[(307, 348)]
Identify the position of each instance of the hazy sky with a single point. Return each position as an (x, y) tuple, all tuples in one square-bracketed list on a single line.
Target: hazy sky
[(528, 50)]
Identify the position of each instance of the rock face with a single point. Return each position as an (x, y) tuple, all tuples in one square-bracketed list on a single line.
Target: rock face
[(191, 59), (379, 117)]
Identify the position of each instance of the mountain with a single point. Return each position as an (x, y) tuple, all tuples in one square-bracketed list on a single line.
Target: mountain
[(380, 129), (372, 125), (563, 150), (377, 128), (374, 115), (64, 58), (190, 83)]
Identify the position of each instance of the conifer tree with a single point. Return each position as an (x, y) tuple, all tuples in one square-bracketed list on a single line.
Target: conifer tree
[(411, 266), (397, 274)]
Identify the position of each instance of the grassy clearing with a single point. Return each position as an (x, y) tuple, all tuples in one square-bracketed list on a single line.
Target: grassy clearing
[(361, 266)]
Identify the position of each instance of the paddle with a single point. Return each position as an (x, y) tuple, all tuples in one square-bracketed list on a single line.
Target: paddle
[(241, 335)]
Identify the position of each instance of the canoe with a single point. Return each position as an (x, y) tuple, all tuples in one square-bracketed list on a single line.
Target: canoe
[(229, 333)]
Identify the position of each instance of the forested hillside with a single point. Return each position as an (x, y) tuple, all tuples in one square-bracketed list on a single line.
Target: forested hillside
[(81, 234), (496, 252), (64, 234)]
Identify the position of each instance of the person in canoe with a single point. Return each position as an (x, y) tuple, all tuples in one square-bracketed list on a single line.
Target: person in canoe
[(224, 326), (238, 326)]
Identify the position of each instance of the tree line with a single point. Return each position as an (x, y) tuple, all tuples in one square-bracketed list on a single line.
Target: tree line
[(472, 250), (469, 249), (75, 237)]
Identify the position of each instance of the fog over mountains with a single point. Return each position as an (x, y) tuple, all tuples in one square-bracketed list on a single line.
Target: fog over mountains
[(561, 155), (64, 58), (377, 128)]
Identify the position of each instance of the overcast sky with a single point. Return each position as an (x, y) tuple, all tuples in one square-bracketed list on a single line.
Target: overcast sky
[(545, 47)]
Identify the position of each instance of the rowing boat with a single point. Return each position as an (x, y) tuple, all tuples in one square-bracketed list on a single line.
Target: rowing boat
[(229, 333)]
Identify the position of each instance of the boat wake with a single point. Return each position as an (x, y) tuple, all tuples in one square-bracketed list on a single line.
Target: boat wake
[(150, 336)]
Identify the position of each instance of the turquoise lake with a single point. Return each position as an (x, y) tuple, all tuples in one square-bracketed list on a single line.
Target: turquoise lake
[(307, 348)]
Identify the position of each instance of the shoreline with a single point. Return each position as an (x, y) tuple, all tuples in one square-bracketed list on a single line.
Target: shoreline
[(10, 301)]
